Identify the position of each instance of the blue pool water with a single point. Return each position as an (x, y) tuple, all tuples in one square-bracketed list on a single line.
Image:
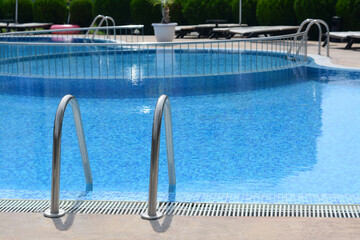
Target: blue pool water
[(264, 135)]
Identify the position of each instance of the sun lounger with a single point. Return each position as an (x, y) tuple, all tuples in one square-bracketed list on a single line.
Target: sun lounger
[(349, 37), (203, 30), (24, 26), (181, 31), (248, 32), (206, 30)]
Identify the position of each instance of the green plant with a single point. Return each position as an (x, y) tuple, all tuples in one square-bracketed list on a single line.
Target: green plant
[(275, 12), (53, 11), (81, 12), (117, 9), (25, 10), (220, 9), (143, 12), (198, 11), (173, 7), (317, 9), (248, 11), (349, 11), (176, 12), (165, 8)]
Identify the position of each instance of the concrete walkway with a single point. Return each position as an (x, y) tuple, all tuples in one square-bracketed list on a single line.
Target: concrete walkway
[(338, 54), (35, 226)]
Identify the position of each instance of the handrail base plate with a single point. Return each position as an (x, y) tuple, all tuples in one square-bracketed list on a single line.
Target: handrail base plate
[(49, 214), (146, 216)]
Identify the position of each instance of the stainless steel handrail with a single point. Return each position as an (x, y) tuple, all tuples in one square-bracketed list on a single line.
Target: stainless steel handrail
[(93, 23), (311, 22), (106, 18), (318, 22), (103, 18), (162, 103), (54, 211), (95, 19)]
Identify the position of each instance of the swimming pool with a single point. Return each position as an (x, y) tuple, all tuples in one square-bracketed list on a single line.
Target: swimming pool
[(287, 135)]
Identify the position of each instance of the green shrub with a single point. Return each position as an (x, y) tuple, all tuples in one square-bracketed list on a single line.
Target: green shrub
[(1, 10), (176, 14), (25, 10), (248, 12), (119, 10), (275, 12), (198, 11), (81, 12), (143, 12), (52, 11), (349, 11), (194, 11), (317, 9)]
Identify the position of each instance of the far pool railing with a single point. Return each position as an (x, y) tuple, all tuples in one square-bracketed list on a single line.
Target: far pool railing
[(72, 58), (162, 106), (54, 211)]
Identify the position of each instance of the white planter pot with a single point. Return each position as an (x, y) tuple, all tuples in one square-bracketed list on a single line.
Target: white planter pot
[(164, 32)]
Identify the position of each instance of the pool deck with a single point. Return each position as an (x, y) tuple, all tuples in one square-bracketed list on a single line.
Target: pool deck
[(338, 54), (83, 226)]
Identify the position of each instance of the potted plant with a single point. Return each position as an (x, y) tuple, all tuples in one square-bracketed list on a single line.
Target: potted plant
[(164, 31)]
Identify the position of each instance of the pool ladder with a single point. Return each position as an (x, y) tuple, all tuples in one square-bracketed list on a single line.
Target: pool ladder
[(103, 19), (311, 22), (54, 211), (162, 108)]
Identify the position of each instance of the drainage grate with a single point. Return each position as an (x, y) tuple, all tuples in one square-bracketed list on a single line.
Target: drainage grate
[(189, 209)]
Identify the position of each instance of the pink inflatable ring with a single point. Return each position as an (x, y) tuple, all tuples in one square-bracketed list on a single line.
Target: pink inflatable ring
[(65, 26)]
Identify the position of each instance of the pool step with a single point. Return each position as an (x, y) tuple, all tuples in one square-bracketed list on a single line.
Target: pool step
[(188, 208)]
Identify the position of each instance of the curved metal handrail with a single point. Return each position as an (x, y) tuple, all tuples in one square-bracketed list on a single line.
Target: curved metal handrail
[(54, 211), (93, 23), (318, 22), (95, 19), (311, 22), (106, 18), (162, 103), (103, 18)]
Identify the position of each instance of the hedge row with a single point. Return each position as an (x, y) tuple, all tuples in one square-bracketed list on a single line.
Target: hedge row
[(25, 7), (81, 12), (349, 11), (53, 11), (1, 10), (254, 12)]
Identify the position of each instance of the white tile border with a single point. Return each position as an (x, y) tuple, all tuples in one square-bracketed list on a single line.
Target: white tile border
[(326, 62)]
